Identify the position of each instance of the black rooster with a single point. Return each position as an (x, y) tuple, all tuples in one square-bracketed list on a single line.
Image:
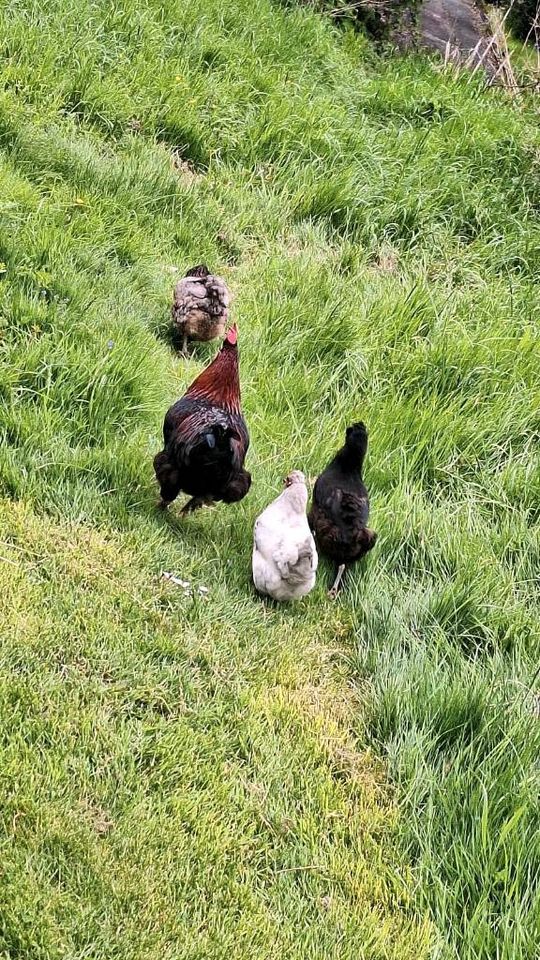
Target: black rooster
[(340, 507), (205, 437)]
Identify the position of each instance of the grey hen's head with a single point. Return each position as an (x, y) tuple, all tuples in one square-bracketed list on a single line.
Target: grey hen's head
[(201, 270)]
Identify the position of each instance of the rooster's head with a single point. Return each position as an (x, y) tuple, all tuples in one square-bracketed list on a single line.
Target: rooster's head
[(231, 337)]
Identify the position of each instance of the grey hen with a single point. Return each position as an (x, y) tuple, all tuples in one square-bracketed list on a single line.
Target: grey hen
[(200, 306)]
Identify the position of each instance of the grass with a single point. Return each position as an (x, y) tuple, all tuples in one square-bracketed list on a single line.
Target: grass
[(207, 775)]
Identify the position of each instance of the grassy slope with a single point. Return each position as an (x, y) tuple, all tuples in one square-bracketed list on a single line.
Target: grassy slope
[(191, 778)]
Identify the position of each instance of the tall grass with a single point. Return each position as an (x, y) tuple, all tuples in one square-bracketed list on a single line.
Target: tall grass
[(180, 784)]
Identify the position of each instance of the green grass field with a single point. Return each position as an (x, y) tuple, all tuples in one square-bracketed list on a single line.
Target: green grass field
[(209, 776)]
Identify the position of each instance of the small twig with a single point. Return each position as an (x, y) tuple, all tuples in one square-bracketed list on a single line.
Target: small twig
[(7, 560), (470, 59), (532, 85), (447, 52), (534, 27), (351, 7)]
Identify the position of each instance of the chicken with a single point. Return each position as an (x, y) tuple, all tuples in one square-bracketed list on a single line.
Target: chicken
[(284, 554), (200, 306), (206, 438), (340, 506)]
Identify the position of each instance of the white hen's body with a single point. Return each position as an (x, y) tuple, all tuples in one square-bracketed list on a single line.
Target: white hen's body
[(284, 554)]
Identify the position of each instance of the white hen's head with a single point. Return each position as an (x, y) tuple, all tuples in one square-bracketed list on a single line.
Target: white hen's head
[(295, 493), (295, 476)]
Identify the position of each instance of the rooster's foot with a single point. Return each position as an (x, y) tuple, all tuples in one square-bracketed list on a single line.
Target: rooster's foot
[(333, 592), (194, 504)]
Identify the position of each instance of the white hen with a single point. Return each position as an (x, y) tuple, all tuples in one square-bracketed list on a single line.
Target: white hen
[(284, 554)]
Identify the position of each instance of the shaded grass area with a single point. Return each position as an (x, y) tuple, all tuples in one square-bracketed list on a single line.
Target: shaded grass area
[(378, 223)]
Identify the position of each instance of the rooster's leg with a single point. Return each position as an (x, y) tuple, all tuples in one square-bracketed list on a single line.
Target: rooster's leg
[(337, 582), (194, 504)]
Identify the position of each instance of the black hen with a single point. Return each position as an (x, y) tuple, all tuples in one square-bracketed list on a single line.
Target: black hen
[(340, 507), (205, 437)]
